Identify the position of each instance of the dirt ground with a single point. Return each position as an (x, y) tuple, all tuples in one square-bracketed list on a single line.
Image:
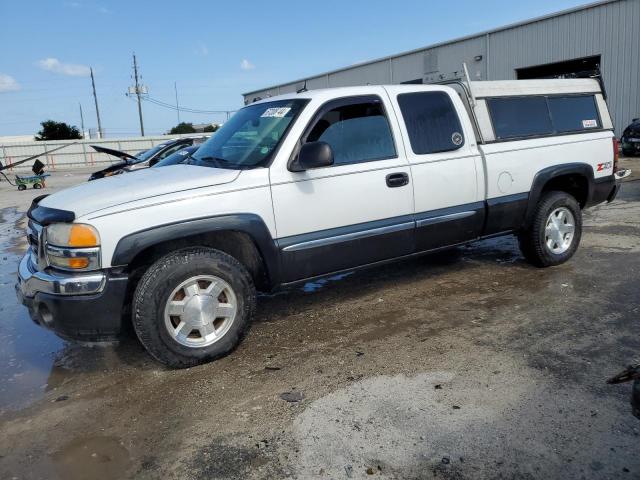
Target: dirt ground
[(464, 364)]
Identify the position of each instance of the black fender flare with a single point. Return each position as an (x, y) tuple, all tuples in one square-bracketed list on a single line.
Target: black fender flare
[(543, 176), (131, 245)]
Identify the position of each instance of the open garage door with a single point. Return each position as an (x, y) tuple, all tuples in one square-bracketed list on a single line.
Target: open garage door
[(576, 68)]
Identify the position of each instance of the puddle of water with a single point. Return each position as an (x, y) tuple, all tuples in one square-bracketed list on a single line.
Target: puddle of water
[(27, 351), (100, 458)]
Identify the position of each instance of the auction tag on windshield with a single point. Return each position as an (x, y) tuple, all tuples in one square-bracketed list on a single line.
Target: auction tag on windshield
[(276, 112), (589, 123)]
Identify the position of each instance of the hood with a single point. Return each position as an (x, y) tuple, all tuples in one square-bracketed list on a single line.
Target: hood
[(121, 189), (115, 153)]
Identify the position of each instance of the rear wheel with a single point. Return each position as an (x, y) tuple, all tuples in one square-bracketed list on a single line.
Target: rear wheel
[(193, 306), (555, 231)]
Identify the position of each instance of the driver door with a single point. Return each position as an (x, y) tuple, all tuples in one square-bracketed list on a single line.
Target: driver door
[(356, 211)]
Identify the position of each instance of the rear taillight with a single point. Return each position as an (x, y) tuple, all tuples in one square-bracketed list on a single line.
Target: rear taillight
[(615, 154)]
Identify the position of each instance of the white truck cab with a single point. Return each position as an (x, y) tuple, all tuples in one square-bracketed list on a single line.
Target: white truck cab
[(312, 183)]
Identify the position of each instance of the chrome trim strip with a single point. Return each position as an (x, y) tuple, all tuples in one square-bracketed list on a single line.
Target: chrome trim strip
[(90, 253), (444, 218), (31, 281), (321, 242)]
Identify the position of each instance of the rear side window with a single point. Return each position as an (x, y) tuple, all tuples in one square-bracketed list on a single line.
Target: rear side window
[(572, 114), (517, 117), (432, 122), (520, 117), (358, 132)]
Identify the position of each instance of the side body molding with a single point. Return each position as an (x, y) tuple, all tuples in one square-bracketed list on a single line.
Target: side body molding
[(131, 245), (546, 174)]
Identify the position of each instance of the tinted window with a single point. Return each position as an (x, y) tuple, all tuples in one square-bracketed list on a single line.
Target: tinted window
[(357, 133), (432, 122), (570, 114), (520, 117)]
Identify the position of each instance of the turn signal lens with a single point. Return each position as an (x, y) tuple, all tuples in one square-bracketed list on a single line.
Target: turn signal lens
[(78, 262), (72, 235)]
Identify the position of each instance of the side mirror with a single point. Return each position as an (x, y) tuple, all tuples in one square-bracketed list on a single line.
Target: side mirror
[(313, 155)]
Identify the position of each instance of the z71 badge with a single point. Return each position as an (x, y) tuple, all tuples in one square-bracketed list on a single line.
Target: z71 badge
[(604, 166)]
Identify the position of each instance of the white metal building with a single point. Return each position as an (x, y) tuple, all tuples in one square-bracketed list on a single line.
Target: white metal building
[(597, 38)]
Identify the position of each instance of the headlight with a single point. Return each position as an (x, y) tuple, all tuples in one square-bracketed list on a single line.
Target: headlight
[(73, 246)]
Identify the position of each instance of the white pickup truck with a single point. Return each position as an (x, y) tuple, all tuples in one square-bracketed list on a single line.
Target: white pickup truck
[(309, 184)]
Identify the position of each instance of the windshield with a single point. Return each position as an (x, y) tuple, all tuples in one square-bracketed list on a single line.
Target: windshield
[(147, 154), (177, 157), (250, 137)]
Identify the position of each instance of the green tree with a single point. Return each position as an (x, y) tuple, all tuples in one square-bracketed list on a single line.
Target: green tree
[(211, 128), (182, 127), (52, 130)]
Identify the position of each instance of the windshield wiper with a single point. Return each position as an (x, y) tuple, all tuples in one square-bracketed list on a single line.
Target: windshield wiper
[(216, 161)]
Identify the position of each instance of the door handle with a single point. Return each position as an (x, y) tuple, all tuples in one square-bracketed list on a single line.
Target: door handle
[(397, 180)]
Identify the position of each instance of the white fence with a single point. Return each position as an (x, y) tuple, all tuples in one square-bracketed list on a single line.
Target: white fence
[(78, 154)]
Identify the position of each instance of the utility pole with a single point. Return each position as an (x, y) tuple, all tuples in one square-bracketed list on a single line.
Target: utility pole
[(95, 98), (138, 92), (175, 86), (81, 119)]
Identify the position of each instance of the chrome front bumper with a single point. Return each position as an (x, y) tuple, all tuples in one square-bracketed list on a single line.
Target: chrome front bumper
[(32, 281)]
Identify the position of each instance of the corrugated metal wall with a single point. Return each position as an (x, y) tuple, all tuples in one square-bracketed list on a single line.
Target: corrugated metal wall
[(611, 30)]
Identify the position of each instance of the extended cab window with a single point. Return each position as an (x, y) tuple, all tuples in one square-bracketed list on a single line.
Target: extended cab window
[(356, 132), (432, 122)]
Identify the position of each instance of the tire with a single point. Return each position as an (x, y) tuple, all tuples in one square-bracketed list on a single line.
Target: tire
[(37, 186), (168, 287), (547, 247), (22, 187), (627, 153)]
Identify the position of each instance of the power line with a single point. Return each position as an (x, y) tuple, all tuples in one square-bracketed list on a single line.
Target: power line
[(185, 109)]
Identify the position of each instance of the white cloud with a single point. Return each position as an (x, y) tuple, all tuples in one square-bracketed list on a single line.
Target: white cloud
[(202, 50), (56, 66), (246, 65), (8, 83)]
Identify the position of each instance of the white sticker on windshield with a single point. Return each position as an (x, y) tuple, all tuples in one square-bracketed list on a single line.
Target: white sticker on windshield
[(589, 123), (277, 112)]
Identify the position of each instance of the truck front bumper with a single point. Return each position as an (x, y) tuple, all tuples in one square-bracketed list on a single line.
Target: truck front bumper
[(86, 307)]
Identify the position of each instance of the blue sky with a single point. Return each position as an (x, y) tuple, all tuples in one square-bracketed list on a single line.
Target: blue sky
[(214, 50)]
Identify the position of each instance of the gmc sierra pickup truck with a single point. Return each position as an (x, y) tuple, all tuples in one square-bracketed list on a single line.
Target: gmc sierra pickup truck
[(312, 183)]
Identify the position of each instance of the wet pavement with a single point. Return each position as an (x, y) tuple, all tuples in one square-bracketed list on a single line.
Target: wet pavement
[(464, 364)]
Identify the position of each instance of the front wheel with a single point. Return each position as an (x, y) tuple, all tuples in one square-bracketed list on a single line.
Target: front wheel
[(193, 306), (555, 231)]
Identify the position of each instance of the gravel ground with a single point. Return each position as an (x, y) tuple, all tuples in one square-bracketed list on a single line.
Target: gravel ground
[(464, 364)]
